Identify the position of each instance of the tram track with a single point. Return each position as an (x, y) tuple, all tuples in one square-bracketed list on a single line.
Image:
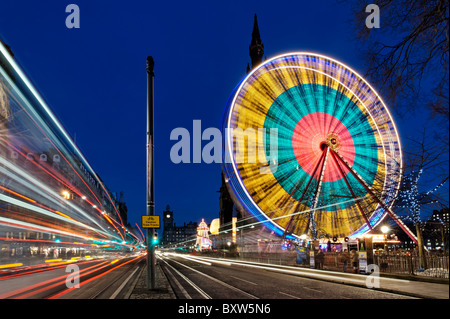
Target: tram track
[(198, 284), (123, 278), (178, 285)]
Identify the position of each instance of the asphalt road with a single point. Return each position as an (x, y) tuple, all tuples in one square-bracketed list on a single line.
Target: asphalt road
[(199, 279)]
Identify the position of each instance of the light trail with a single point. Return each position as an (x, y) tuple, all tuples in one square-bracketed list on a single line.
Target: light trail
[(51, 199), (43, 190), (83, 282), (315, 273), (48, 284)]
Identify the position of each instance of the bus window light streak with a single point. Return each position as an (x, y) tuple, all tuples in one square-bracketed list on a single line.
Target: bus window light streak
[(10, 265), (39, 186), (23, 77), (48, 190), (79, 175)]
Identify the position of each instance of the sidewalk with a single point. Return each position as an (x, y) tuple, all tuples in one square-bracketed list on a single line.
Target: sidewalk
[(414, 288), (163, 289)]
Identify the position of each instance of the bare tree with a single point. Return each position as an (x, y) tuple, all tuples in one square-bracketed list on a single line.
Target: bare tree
[(420, 189), (408, 56)]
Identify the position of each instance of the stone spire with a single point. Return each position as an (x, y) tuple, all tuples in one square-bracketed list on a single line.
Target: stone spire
[(256, 46)]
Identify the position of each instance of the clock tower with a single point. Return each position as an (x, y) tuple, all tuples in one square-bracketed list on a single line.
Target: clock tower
[(167, 218)]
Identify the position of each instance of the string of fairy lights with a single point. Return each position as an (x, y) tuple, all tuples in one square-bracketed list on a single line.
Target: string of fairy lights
[(412, 200)]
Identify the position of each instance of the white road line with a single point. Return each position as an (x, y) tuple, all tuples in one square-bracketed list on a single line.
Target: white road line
[(316, 290), (293, 270), (180, 287), (114, 295), (200, 291), (250, 282), (295, 297), (217, 280)]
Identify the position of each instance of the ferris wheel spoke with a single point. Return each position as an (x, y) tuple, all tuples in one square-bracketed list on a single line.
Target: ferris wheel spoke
[(322, 171), (311, 177), (326, 151), (351, 191), (377, 198)]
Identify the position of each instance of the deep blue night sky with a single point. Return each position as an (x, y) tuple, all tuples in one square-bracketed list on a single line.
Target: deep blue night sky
[(94, 78)]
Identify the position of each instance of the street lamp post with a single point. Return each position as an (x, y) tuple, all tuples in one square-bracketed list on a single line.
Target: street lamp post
[(151, 258)]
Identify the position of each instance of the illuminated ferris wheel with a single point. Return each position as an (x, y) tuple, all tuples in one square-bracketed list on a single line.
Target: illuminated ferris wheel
[(310, 148)]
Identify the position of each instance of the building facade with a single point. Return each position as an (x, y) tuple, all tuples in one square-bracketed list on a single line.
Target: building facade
[(173, 234)]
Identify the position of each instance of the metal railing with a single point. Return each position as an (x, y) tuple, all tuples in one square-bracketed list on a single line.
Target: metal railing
[(437, 266)]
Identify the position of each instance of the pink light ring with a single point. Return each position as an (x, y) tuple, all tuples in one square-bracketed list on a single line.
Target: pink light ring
[(309, 153)]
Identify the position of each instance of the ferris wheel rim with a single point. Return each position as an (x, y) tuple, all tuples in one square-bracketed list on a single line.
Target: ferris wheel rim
[(340, 65)]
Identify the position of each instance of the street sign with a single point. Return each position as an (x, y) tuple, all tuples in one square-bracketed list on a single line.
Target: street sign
[(362, 262), (311, 259), (150, 221)]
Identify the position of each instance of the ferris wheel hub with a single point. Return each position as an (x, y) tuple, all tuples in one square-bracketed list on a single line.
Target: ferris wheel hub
[(334, 141)]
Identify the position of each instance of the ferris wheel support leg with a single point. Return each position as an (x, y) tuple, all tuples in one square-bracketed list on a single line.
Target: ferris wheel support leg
[(317, 193), (304, 192), (351, 191), (374, 196)]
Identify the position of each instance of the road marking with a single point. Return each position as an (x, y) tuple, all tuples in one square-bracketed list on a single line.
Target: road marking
[(114, 295), (177, 283), (250, 282), (199, 290), (217, 280), (316, 290), (133, 284), (295, 270), (295, 297)]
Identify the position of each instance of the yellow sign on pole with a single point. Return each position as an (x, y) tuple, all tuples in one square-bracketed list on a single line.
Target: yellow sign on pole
[(150, 221)]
